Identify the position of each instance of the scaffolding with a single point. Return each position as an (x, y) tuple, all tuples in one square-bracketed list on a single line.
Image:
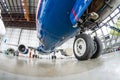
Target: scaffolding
[(109, 31)]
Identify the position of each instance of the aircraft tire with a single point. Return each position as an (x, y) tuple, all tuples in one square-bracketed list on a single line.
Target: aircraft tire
[(97, 48), (83, 47)]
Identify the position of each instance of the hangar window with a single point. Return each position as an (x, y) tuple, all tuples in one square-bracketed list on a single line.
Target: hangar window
[(114, 13), (29, 37), (16, 36)]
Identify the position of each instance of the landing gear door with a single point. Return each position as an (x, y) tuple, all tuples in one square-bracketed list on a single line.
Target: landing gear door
[(79, 8)]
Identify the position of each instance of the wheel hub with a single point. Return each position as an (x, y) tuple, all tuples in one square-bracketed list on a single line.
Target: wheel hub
[(80, 47)]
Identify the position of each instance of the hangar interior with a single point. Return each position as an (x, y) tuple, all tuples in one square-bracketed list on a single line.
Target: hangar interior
[(20, 23)]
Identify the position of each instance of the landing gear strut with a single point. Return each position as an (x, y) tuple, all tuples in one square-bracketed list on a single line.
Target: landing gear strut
[(54, 56)]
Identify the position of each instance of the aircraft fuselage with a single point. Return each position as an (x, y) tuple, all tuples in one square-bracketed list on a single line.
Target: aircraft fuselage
[(55, 20)]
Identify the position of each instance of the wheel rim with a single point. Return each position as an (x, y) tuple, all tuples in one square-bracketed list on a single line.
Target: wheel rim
[(80, 47)]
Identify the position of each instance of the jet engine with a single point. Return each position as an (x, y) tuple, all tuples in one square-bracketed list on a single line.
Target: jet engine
[(23, 49)]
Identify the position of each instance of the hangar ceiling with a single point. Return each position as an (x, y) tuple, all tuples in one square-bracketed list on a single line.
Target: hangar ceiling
[(19, 13)]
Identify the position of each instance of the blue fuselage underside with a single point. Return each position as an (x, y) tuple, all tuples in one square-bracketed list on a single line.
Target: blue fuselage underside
[(54, 24)]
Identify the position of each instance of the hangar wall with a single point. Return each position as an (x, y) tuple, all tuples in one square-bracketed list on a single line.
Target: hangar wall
[(16, 36)]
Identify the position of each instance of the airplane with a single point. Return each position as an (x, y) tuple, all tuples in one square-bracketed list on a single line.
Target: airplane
[(59, 20)]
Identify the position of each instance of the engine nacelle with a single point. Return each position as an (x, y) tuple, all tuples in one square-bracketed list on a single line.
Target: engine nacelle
[(22, 49)]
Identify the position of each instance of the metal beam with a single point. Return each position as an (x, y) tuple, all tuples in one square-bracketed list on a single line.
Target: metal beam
[(19, 36), (26, 11), (17, 6), (17, 16), (13, 4), (20, 24)]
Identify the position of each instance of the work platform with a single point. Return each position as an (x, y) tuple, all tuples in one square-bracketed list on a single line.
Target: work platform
[(107, 67)]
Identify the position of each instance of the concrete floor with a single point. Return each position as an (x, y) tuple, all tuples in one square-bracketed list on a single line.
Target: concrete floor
[(107, 67)]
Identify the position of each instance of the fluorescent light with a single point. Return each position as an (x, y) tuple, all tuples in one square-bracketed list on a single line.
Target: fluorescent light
[(7, 9), (3, 1), (24, 10), (5, 5), (23, 4)]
